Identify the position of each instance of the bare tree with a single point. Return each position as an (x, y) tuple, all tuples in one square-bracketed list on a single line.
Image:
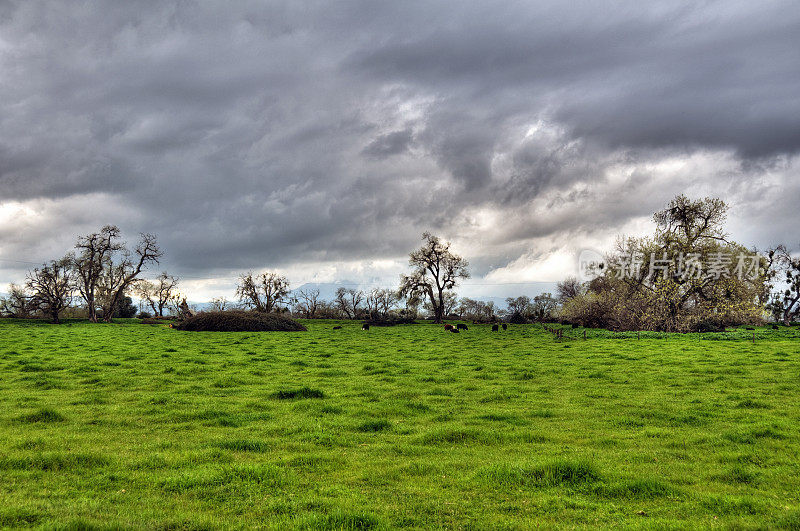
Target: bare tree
[(519, 306), (543, 306), (95, 252), (371, 303), (118, 277), (157, 294), (686, 222), (436, 271), (568, 289), (387, 300), (17, 303), (51, 287), (379, 302), (340, 300), (349, 301), (307, 301), (262, 292)]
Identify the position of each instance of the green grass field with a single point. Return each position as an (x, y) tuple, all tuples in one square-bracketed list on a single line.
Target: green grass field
[(140, 426)]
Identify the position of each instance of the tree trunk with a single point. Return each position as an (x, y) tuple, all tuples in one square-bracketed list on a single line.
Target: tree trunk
[(92, 307), (438, 306)]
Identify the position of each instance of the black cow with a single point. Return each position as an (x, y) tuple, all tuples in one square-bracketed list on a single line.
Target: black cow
[(462, 326), (337, 327), (495, 328), (454, 330), (365, 326), (505, 326)]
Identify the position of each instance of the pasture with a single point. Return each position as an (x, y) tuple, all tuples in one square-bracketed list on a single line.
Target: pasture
[(140, 426)]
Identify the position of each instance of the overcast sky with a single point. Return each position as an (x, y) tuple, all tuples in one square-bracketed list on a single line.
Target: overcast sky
[(322, 138)]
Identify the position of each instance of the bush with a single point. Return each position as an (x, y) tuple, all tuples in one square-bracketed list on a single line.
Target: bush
[(145, 315), (125, 308), (238, 321), (708, 325), (518, 318)]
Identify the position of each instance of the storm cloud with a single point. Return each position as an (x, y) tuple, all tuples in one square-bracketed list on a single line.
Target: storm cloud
[(323, 138)]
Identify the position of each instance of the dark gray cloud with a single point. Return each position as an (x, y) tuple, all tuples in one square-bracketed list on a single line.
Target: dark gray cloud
[(250, 135), (389, 144)]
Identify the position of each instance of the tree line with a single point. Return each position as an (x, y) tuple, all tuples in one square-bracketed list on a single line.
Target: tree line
[(101, 272), (645, 283)]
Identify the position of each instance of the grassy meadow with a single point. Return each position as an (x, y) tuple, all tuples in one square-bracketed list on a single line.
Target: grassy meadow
[(127, 425)]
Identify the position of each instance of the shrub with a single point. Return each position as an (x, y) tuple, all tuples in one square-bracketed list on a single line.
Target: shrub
[(518, 318), (238, 321), (708, 325)]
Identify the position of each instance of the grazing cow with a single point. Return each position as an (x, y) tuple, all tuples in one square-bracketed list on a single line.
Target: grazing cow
[(461, 326), (505, 326), (448, 327), (495, 328), (454, 330), (365, 326), (337, 327)]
